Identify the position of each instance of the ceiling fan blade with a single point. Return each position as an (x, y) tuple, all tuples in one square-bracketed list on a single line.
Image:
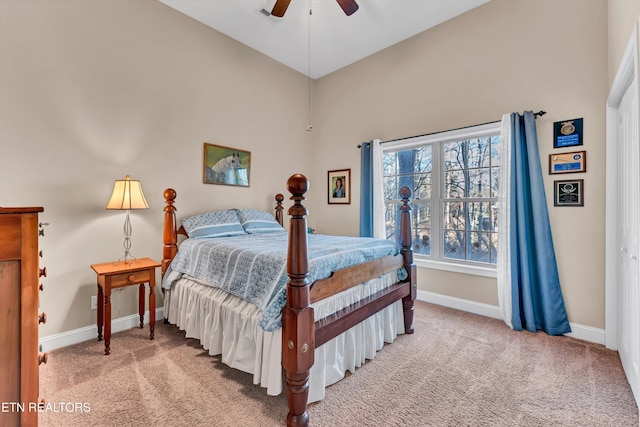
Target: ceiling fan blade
[(280, 8), (349, 6)]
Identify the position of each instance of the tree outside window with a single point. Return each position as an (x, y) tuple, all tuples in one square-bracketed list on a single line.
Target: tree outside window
[(454, 197)]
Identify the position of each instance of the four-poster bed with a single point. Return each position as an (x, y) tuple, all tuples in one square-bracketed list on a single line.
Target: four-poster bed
[(379, 291)]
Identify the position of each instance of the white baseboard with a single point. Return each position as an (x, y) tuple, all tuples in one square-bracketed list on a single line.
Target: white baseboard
[(460, 304), (582, 332), (587, 333), (87, 333)]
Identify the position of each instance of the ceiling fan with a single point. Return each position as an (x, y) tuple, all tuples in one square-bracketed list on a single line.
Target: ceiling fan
[(349, 7)]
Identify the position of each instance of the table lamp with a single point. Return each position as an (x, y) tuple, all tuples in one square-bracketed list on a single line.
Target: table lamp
[(127, 194)]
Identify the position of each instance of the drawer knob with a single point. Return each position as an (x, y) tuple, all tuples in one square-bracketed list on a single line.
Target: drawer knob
[(42, 358), (43, 272), (42, 318), (41, 225), (132, 278)]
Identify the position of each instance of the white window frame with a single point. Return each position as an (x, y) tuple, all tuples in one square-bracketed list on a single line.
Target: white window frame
[(436, 260)]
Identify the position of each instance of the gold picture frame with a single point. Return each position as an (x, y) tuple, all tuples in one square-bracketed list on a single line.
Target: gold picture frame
[(226, 165)]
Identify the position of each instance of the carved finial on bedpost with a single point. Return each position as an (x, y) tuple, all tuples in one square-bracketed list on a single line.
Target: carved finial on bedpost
[(407, 253), (170, 238), (279, 199), (298, 339)]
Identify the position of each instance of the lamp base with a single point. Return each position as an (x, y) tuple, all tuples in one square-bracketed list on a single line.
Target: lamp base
[(127, 258)]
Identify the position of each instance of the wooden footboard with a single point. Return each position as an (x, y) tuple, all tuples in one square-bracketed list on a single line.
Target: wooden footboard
[(300, 333)]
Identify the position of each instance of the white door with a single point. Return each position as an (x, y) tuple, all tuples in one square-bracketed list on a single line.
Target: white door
[(628, 266)]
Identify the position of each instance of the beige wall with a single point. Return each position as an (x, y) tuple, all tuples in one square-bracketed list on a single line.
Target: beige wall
[(502, 57), (97, 90), (622, 16), (94, 90)]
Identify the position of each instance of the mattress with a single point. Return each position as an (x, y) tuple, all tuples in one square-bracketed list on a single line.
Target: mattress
[(253, 266)]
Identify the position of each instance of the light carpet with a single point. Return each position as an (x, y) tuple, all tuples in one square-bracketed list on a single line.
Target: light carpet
[(457, 369)]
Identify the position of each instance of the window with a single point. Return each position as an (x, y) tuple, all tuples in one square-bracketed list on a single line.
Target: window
[(453, 177)]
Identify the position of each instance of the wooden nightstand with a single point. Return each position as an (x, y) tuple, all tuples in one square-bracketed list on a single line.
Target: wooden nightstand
[(117, 275)]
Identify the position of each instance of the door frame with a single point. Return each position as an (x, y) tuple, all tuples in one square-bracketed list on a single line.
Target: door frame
[(626, 75)]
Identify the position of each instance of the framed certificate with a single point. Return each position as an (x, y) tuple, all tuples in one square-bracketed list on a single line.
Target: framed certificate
[(568, 193), (567, 133), (573, 162)]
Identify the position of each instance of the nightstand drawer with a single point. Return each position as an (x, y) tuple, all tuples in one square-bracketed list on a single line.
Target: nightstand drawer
[(130, 278)]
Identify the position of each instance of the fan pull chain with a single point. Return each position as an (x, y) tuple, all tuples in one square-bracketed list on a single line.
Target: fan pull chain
[(309, 126)]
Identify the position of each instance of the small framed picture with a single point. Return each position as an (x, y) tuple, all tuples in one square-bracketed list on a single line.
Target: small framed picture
[(226, 165), (568, 193), (573, 162), (339, 187), (567, 133)]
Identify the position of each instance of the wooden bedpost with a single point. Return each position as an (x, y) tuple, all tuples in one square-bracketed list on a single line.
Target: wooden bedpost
[(279, 199), (298, 333), (407, 253), (170, 236)]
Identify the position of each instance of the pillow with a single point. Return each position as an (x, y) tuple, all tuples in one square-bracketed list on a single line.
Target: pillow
[(258, 222), (213, 224)]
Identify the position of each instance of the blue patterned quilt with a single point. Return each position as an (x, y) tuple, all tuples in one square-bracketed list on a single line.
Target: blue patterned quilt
[(253, 266)]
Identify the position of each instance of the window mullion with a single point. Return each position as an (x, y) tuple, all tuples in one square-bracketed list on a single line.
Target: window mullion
[(436, 201)]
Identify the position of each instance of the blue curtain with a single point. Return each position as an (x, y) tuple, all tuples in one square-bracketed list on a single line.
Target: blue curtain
[(366, 190), (537, 302)]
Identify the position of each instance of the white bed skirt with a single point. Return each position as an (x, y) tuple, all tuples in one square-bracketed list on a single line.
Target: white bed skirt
[(229, 326)]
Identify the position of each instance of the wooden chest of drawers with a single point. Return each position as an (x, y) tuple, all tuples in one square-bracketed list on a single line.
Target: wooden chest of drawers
[(19, 276)]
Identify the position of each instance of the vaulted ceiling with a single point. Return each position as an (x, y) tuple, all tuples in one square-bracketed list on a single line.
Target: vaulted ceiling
[(326, 40)]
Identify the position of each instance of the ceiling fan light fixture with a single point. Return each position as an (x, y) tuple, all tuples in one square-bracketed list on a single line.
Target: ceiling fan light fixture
[(348, 6), (280, 8)]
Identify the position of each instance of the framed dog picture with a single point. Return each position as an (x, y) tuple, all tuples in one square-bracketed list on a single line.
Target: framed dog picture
[(339, 187), (226, 165)]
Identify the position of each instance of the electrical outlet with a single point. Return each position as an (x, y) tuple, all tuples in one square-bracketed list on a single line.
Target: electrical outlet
[(94, 302)]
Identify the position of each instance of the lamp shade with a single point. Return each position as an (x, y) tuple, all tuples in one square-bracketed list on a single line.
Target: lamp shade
[(127, 194)]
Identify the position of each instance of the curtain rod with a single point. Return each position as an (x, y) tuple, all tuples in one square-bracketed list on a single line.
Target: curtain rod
[(536, 115)]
